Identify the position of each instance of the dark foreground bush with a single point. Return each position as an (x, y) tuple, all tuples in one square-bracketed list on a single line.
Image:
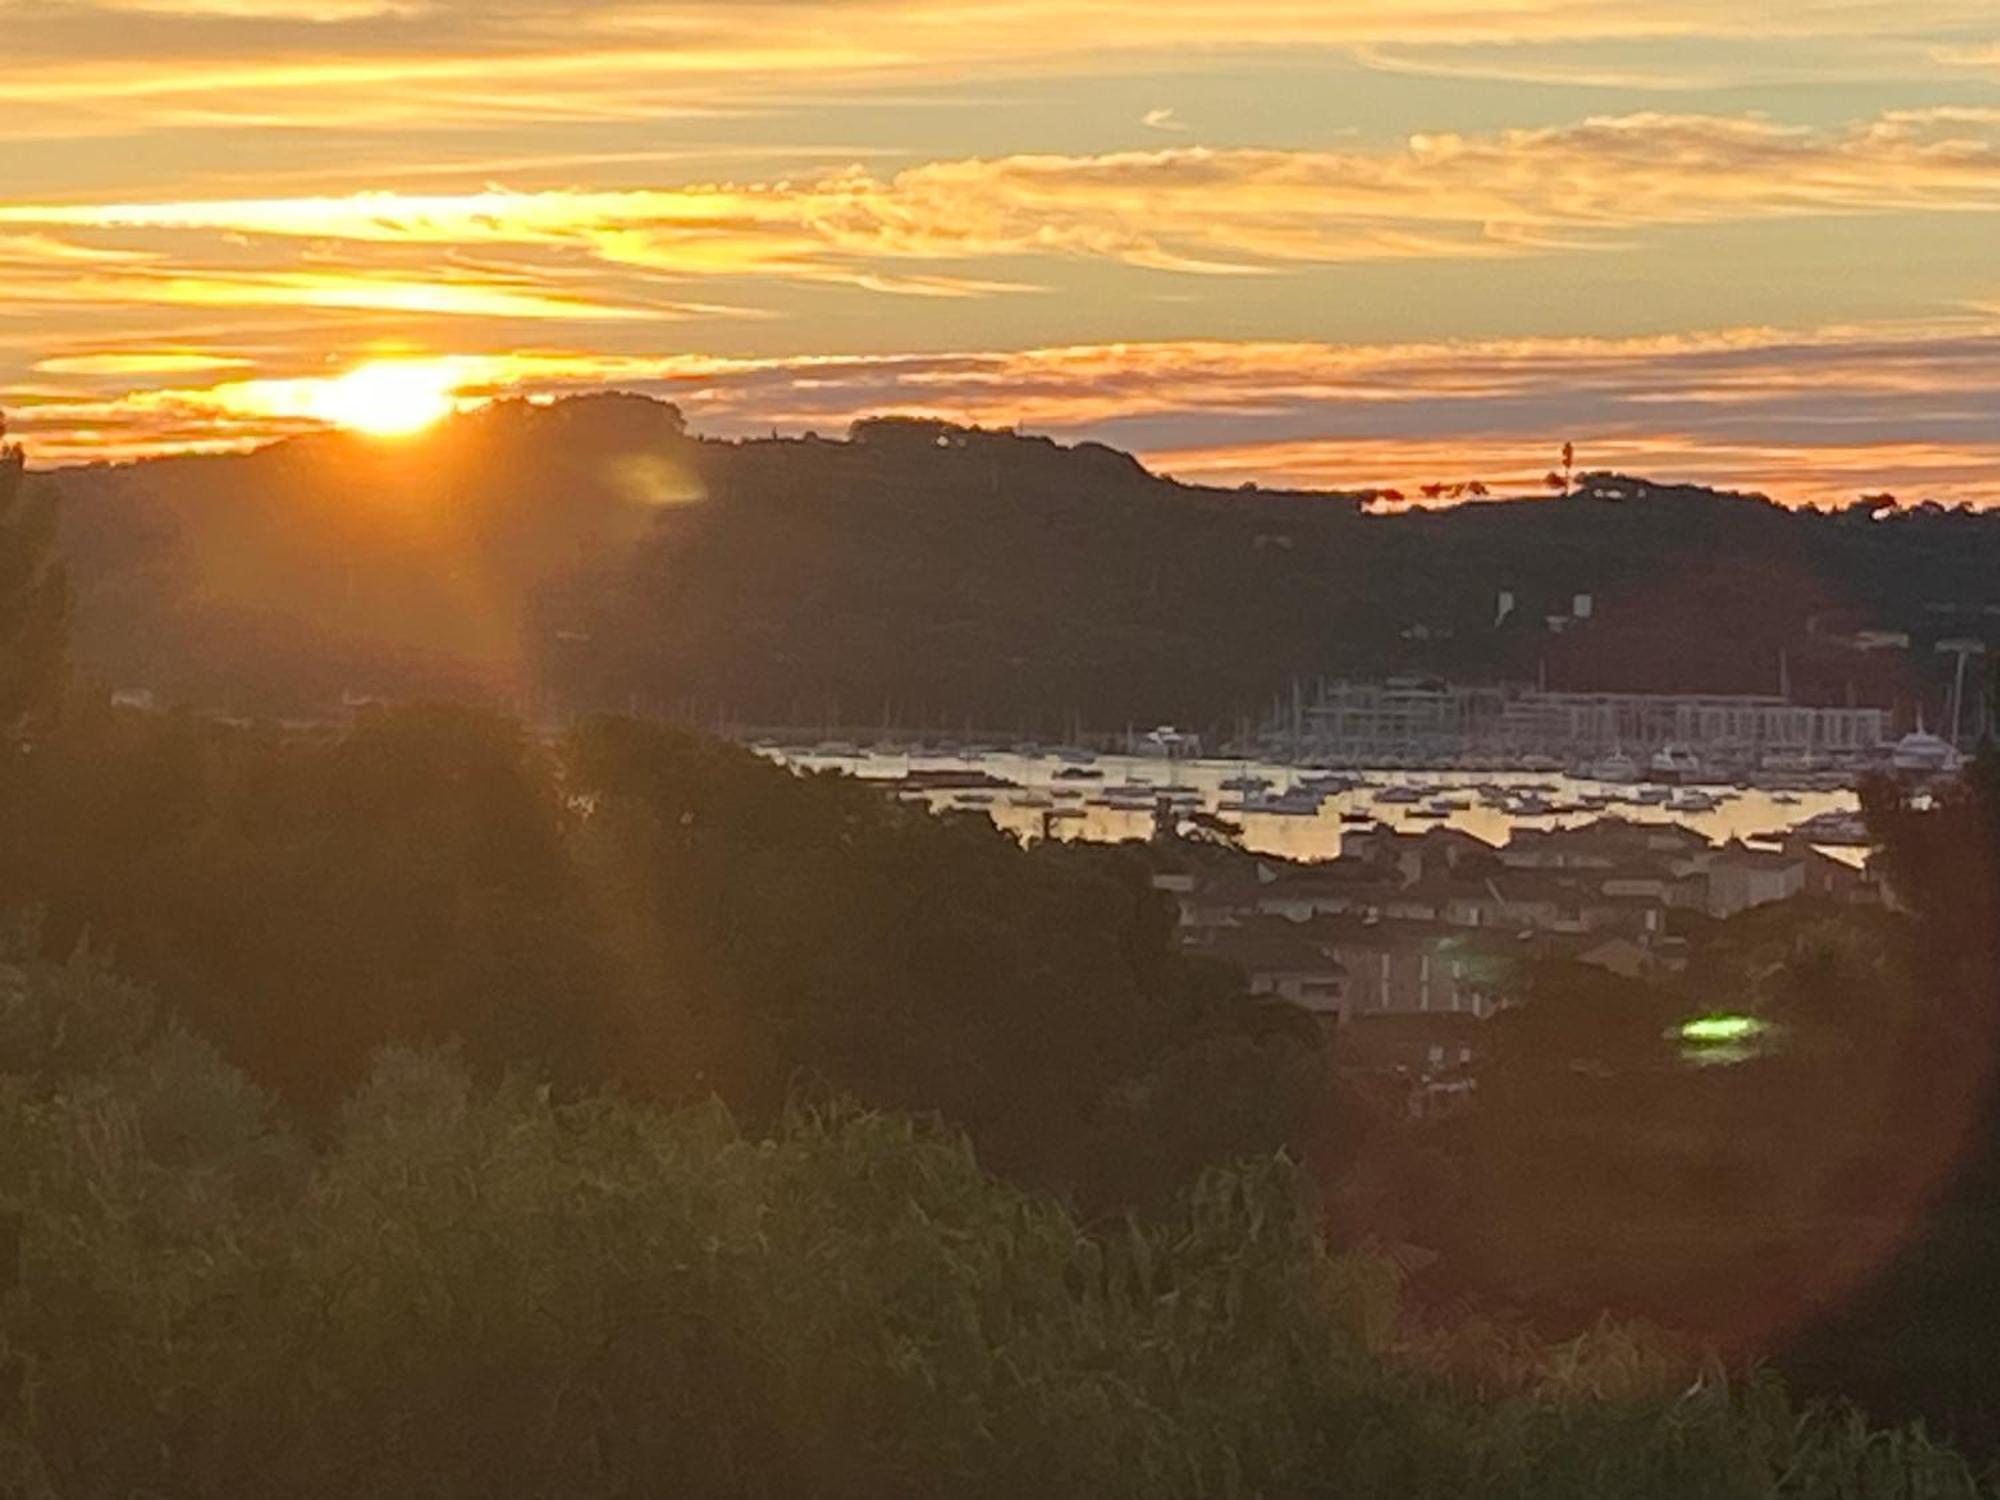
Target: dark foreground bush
[(490, 1294)]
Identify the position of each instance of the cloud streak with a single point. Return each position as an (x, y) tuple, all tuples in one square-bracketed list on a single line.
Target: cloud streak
[(153, 64), (1189, 208)]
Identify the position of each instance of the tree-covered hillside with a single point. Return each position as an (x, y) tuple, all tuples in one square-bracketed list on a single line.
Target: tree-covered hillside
[(594, 554)]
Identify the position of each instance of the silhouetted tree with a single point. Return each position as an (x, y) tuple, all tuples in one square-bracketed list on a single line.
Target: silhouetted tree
[(304, 903), (769, 927), (660, 910), (1918, 1338), (34, 603)]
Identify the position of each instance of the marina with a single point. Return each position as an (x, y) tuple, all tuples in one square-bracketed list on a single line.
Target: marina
[(1302, 813)]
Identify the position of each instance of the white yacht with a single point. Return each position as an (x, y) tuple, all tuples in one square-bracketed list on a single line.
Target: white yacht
[(1617, 768), (1330, 782), (1688, 800), (1921, 753), (1299, 802), (1834, 828), (1168, 743), (1674, 765), (1247, 781)]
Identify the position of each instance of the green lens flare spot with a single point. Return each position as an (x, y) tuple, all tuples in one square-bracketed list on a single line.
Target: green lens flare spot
[(1722, 1030)]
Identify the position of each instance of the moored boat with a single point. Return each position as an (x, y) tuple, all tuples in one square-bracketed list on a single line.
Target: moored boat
[(1673, 765)]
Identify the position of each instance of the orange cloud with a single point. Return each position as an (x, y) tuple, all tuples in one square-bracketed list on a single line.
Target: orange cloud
[(139, 362), (355, 291), (380, 60), (30, 251), (1190, 209)]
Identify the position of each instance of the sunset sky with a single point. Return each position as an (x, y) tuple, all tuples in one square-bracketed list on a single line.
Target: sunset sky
[(1308, 241)]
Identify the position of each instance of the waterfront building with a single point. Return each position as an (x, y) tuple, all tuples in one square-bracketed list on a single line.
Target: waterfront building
[(1403, 719)]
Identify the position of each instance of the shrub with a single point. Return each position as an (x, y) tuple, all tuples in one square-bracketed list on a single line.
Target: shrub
[(495, 1292)]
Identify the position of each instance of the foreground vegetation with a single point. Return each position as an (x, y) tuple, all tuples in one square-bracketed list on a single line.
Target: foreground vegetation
[(623, 933), (468, 1291)]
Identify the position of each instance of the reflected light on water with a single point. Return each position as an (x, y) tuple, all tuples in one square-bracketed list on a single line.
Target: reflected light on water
[(1738, 814)]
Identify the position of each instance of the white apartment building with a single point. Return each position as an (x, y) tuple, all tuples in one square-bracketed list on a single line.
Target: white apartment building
[(1398, 717)]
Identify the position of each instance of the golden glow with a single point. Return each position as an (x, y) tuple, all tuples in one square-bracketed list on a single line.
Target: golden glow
[(385, 398)]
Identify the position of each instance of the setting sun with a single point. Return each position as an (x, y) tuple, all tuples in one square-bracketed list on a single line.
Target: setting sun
[(386, 398)]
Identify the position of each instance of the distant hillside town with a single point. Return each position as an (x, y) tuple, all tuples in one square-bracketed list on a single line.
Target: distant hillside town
[(1407, 943)]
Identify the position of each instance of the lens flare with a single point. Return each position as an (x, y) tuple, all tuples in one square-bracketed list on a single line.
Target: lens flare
[(1722, 1029)]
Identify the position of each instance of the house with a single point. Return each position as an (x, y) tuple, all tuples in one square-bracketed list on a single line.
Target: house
[(1607, 844), (1413, 857), (1832, 879), (1210, 890), (1740, 877), (1546, 903), (1641, 879), (1282, 962), (1335, 888), (1416, 967), (1556, 849)]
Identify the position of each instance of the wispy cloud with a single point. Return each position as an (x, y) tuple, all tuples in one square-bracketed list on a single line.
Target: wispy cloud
[(30, 251), (126, 363), (139, 64), (331, 290), (1189, 209)]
